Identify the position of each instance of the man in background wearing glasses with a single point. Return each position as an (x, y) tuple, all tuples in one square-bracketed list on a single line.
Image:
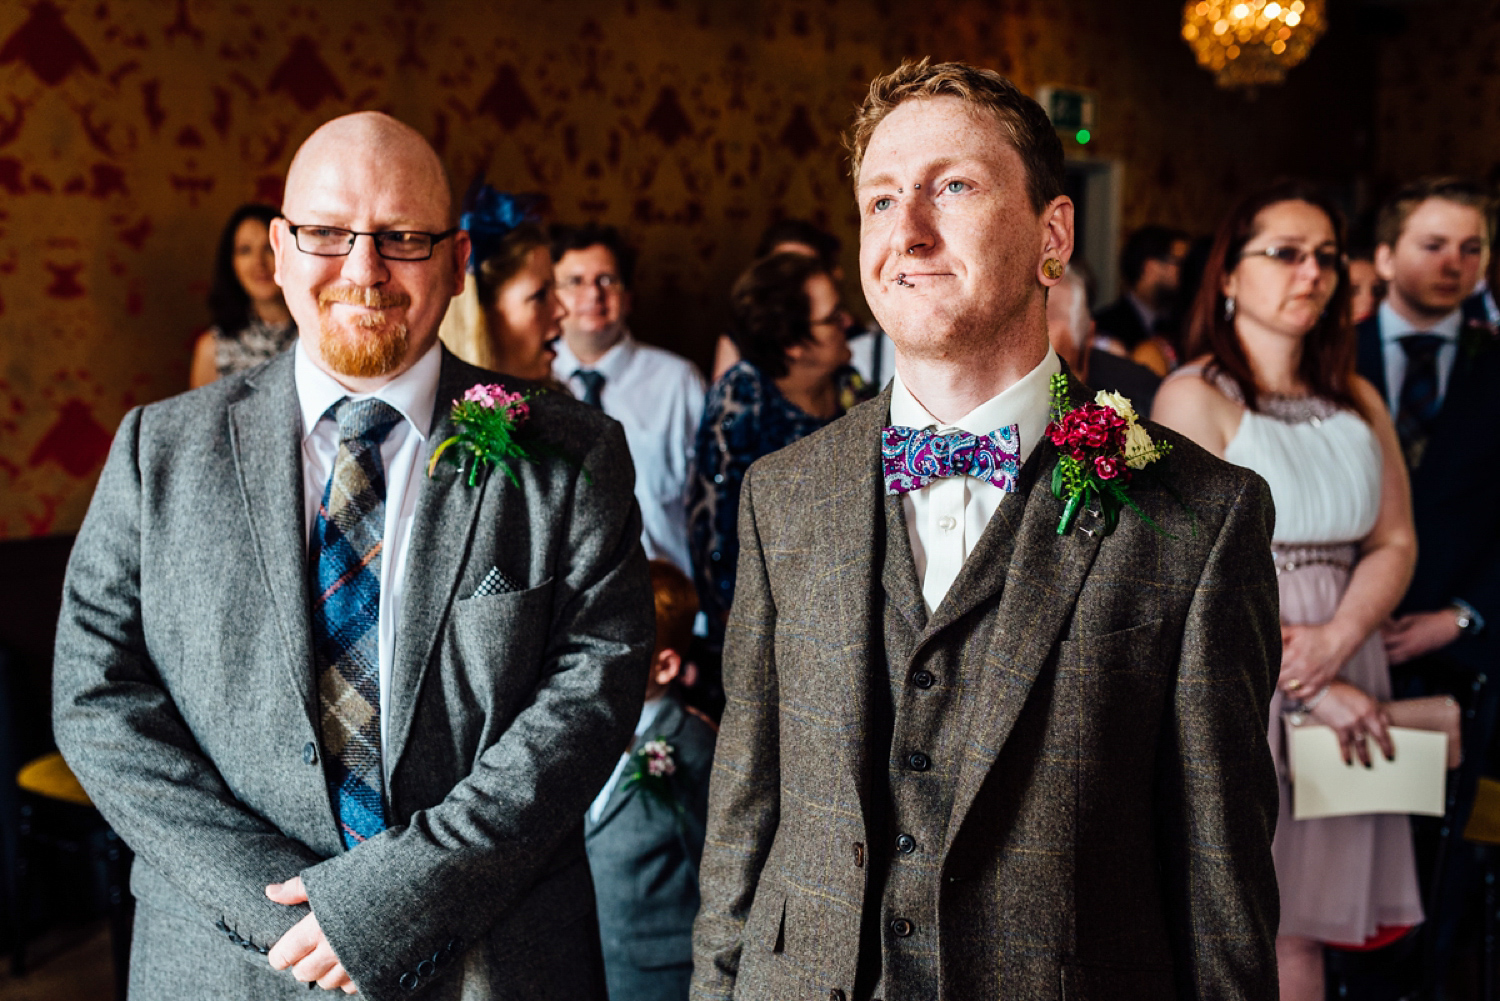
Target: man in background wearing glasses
[(349, 712), (656, 395)]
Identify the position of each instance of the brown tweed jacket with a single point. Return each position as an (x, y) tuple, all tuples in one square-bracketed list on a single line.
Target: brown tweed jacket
[(1096, 799)]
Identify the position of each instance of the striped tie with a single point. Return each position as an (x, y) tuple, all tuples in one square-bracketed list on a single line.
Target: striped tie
[(347, 539)]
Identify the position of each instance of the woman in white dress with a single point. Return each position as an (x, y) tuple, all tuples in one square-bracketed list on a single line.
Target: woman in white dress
[(1272, 387)]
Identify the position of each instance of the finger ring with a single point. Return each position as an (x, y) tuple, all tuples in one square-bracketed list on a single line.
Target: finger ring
[(1294, 685)]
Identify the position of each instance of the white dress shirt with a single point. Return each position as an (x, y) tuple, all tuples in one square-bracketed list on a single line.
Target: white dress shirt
[(945, 518), (649, 713), (1393, 327), (412, 393), (658, 398)]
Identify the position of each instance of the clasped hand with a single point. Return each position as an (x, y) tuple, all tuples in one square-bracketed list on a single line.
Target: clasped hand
[(1310, 658), (304, 947), (1353, 715)]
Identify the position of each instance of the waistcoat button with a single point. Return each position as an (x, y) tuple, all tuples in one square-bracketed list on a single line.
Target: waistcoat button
[(918, 762), (922, 679), (902, 927), (310, 753), (906, 844)]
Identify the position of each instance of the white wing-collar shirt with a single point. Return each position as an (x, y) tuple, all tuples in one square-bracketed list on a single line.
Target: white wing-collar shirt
[(413, 393), (1393, 327), (657, 397), (945, 519)]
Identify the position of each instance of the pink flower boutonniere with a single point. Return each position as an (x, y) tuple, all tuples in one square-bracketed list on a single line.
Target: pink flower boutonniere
[(487, 418), (1102, 445), (654, 768)]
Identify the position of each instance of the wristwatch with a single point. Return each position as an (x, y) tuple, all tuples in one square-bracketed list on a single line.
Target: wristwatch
[(1469, 621)]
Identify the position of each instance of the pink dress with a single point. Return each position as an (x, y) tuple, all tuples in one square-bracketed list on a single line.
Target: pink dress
[(1341, 878)]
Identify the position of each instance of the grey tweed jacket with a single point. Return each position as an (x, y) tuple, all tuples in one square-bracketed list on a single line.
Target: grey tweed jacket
[(1087, 811), (185, 700)]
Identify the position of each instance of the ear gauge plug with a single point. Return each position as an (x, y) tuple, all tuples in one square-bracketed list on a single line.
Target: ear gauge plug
[(1052, 267)]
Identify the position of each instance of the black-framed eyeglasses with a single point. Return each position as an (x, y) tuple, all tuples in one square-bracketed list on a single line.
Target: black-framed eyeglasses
[(1292, 256), (391, 244)]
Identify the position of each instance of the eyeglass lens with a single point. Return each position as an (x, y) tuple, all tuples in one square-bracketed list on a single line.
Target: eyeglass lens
[(396, 245)]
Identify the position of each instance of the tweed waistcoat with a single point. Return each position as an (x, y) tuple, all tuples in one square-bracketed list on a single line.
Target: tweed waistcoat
[(920, 722)]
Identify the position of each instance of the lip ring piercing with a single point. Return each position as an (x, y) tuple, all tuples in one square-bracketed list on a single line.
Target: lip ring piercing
[(901, 280)]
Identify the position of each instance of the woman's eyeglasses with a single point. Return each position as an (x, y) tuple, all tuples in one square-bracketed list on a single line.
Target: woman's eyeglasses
[(1328, 259)]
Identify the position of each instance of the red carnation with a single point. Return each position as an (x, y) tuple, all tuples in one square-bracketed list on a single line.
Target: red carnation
[(1110, 467)]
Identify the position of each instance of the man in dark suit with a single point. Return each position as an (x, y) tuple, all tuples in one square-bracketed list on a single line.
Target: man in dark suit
[(1070, 330), (347, 708), (1437, 363), (645, 837), (1151, 268), (966, 754)]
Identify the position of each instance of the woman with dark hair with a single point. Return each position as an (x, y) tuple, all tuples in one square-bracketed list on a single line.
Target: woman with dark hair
[(251, 321), (509, 311), (792, 378), (1272, 387)]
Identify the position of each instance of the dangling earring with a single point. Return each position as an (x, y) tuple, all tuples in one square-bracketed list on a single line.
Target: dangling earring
[(1229, 307), (1052, 268)]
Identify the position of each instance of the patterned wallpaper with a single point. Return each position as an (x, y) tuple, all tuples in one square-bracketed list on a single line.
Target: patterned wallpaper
[(130, 130), (1439, 103)]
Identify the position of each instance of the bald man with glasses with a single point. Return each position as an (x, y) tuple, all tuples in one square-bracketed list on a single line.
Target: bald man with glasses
[(348, 711)]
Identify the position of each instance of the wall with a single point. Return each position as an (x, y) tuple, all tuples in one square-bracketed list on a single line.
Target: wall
[(1439, 94), (128, 132)]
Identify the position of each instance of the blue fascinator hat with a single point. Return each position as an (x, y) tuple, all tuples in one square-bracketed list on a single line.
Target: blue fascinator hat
[(490, 215)]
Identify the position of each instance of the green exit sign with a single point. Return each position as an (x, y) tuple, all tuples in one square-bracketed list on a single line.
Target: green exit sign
[(1072, 111)]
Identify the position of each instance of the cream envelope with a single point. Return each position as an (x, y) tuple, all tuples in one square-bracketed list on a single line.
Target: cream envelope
[(1323, 786)]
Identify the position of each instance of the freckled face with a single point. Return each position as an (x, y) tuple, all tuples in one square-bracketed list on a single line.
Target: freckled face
[(942, 201)]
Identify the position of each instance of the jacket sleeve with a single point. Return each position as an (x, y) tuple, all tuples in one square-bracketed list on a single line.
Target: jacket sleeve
[(120, 731), (1218, 783), (453, 870), (744, 797)]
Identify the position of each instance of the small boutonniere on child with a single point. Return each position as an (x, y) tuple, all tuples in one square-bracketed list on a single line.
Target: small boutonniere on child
[(653, 768)]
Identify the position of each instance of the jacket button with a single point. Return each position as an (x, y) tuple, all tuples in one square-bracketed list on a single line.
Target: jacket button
[(918, 762), (426, 968), (835, 995), (440, 957), (922, 679), (310, 753), (409, 981), (906, 844), (902, 927)]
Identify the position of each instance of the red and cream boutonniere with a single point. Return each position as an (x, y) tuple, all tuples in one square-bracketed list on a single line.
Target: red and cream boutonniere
[(1102, 445), (654, 768), (487, 418)]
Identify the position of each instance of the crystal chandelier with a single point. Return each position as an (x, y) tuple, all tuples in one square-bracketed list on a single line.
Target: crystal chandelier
[(1247, 43)]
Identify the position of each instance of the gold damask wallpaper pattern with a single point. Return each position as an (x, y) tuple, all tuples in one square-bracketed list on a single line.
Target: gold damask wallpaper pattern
[(130, 130)]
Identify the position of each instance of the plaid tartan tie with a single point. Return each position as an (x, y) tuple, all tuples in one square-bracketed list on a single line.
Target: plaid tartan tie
[(347, 542)]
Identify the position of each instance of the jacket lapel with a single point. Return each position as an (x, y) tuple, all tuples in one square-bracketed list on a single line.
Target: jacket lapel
[(266, 437), (668, 723), (442, 531), (1371, 356), (844, 551), (1038, 574)]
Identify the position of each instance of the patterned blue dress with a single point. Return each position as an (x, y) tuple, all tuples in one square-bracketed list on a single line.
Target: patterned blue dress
[(744, 418)]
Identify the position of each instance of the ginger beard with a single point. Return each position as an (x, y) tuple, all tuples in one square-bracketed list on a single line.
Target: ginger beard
[(369, 344)]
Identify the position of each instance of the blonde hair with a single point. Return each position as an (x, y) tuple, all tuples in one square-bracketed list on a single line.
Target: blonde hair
[(466, 327), (1026, 125)]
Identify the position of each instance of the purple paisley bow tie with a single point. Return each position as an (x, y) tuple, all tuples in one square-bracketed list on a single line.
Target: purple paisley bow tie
[(913, 458)]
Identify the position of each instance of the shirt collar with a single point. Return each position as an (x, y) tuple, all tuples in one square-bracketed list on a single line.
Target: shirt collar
[(1027, 403), (1394, 326), (1146, 313), (610, 364), (649, 711), (413, 393)]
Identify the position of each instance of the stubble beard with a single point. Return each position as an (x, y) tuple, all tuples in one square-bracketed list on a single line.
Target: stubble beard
[(369, 345)]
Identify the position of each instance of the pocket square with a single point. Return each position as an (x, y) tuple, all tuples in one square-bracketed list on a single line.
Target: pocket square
[(495, 582)]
